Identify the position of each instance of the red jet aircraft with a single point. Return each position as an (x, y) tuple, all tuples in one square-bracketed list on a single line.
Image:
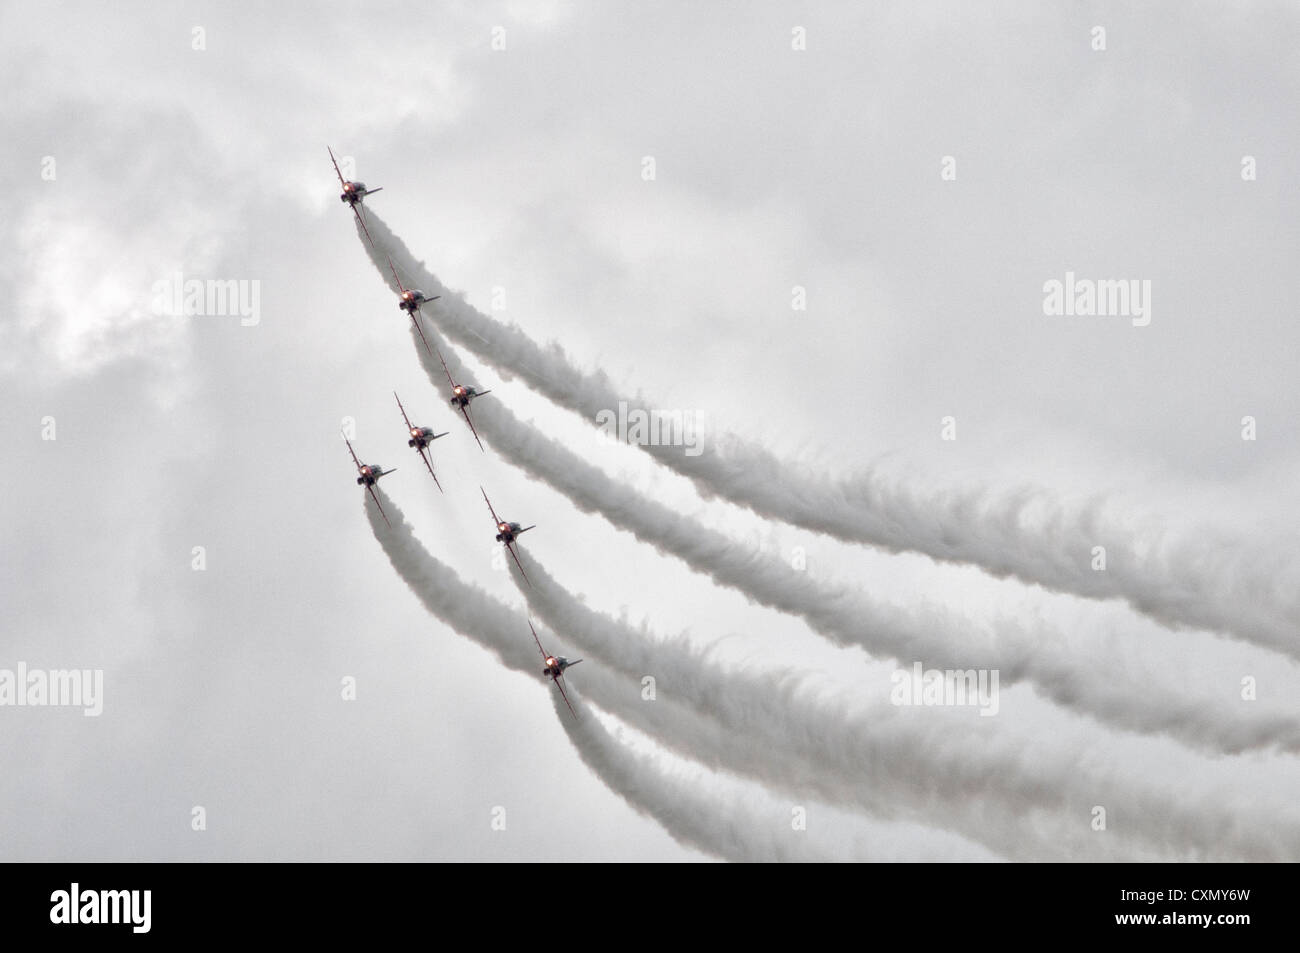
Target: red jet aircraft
[(353, 194), (461, 395), (555, 666), (368, 476), (507, 533), (421, 437)]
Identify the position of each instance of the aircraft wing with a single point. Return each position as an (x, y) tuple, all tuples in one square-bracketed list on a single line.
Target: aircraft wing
[(425, 458), (356, 210), (537, 640), (416, 321), (565, 695), (342, 181), (354, 454), (465, 411), (375, 497), (489, 503), (403, 410), (511, 547), (393, 269), (445, 370)]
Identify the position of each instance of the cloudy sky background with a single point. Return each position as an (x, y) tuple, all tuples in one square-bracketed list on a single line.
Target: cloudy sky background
[(520, 170)]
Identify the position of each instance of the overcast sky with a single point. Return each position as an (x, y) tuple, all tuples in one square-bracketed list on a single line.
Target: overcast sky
[(798, 153)]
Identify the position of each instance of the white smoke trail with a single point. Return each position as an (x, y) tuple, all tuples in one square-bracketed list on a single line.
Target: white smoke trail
[(1020, 801), (1200, 579), (1122, 696), (696, 810)]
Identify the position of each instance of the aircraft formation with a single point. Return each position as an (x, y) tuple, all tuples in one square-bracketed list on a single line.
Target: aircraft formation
[(411, 300)]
